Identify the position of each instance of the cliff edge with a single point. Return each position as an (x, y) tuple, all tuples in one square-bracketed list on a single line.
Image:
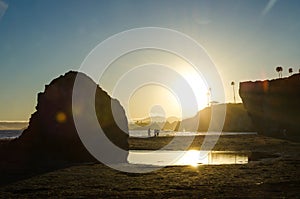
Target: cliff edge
[(273, 105)]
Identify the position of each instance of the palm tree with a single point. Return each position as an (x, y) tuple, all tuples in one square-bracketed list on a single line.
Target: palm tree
[(232, 84), (291, 70), (279, 71)]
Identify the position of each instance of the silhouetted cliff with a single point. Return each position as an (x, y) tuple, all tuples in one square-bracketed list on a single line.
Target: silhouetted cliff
[(51, 136), (236, 119), (273, 105)]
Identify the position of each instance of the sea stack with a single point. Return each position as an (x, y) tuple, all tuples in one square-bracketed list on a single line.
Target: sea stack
[(52, 136)]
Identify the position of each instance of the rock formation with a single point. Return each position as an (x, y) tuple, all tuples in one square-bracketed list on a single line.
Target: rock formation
[(236, 119), (273, 105), (51, 135)]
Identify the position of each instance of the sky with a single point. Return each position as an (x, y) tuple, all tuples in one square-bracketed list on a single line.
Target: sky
[(40, 40)]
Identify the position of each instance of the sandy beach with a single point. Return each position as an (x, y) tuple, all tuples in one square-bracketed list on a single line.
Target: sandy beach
[(272, 172)]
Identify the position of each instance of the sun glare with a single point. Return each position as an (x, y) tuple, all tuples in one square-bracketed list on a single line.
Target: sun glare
[(61, 117), (150, 96), (198, 86), (195, 81), (147, 78), (190, 157)]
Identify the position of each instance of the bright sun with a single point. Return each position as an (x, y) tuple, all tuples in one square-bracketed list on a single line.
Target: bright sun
[(189, 96), (198, 86), (149, 96)]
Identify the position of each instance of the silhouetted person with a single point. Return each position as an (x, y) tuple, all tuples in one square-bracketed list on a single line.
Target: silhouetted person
[(156, 132)]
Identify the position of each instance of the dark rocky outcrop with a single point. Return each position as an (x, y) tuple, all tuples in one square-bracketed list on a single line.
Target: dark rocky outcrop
[(236, 119), (273, 105), (51, 136)]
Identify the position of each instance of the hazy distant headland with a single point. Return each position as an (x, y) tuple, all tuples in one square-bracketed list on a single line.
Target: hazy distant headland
[(236, 120), (273, 105), (13, 125)]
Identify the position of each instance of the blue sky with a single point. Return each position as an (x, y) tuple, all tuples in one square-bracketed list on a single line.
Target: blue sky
[(40, 40)]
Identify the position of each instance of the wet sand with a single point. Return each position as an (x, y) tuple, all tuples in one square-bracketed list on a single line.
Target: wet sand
[(273, 172)]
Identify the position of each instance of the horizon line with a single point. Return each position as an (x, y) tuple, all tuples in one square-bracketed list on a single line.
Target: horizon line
[(14, 121)]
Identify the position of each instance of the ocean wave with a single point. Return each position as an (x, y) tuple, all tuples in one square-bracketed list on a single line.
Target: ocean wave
[(10, 134)]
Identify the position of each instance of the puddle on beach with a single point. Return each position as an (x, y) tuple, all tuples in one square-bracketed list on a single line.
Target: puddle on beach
[(191, 157)]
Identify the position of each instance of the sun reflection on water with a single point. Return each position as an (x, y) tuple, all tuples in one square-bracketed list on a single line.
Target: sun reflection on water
[(192, 157)]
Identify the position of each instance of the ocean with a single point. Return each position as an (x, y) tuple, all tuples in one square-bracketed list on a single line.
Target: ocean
[(12, 129), (10, 134)]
